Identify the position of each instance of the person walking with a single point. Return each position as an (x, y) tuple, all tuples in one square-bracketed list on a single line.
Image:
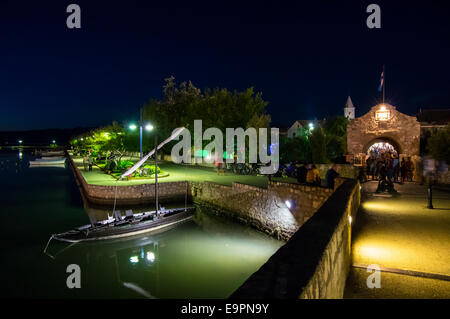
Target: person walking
[(90, 162)]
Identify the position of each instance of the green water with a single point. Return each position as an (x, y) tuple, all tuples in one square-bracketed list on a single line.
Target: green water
[(208, 257)]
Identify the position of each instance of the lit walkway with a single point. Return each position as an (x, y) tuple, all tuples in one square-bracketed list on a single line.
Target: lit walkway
[(400, 234)]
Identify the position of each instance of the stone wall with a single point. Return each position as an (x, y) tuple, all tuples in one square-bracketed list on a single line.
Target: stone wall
[(265, 209), (344, 170), (314, 263)]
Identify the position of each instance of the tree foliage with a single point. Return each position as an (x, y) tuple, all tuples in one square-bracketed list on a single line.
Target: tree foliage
[(439, 144), (321, 144), (183, 103)]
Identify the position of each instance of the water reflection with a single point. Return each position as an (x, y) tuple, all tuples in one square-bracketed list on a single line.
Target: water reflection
[(207, 257)]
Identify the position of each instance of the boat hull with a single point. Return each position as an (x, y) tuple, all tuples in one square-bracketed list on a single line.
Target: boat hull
[(110, 230)]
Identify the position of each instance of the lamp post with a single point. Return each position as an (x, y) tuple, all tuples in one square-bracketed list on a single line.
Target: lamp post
[(142, 125), (149, 127), (430, 178), (156, 173)]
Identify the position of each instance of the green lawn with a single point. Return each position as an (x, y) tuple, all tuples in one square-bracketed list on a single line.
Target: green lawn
[(177, 173)]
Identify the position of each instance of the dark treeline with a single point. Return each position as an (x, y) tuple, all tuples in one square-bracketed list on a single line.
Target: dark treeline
[(41, 137)]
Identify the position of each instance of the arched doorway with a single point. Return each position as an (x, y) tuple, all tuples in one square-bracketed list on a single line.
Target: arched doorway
[(382, 145)]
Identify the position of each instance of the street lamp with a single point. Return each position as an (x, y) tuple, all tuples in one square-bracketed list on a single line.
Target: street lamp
[(148, 127), (20, 141), (142, 125)]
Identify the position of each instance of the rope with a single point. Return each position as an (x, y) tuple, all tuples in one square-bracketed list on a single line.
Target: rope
[(115, 199)]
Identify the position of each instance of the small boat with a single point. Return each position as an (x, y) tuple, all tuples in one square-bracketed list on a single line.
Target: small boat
[(132, 224), (48, 161)]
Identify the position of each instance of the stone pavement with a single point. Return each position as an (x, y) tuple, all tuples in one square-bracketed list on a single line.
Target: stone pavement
[(409, 242)]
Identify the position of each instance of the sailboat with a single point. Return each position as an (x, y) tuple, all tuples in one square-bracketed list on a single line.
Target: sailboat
[(131, 224)]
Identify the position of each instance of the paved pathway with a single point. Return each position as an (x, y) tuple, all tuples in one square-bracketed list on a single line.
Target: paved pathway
[(410, 242)]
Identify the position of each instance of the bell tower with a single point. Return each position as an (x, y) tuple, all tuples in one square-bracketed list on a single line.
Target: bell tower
[(349, 110)]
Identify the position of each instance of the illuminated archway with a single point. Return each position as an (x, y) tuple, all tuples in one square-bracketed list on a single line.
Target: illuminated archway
[(381, 144)]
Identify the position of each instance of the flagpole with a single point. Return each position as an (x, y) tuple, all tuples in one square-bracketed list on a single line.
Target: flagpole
[(384, 81)]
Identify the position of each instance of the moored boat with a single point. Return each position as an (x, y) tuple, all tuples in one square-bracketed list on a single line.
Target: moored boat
[(131, 224), (48, 161)]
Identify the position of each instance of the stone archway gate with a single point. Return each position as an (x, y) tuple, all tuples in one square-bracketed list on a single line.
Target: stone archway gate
[(384, 123)]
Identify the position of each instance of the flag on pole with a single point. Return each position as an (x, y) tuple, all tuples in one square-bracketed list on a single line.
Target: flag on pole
[(381, 81)]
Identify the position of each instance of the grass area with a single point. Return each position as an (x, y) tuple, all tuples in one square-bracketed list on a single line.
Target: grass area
[(177, 173)]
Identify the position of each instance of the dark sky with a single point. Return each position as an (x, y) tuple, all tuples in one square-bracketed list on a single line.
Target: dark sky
[(304, 56)]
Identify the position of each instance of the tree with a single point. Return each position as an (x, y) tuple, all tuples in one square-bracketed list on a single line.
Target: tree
[(439, 144), (318, 146), (295, 149), (335, 130), (219, 107)]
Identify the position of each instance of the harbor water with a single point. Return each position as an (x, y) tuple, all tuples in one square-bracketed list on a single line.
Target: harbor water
[(206, 257)]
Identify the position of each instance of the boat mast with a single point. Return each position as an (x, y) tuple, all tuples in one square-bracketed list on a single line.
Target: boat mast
[(156, 172)]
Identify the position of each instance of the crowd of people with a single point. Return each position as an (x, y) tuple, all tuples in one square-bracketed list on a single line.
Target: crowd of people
[(386, 165)]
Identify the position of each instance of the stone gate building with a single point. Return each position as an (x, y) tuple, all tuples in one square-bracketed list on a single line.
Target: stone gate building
[(383, 124)]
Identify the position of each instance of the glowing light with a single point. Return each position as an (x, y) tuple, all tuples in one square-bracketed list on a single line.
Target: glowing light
[(81, 138), (150, 256), (311, 126), (350, 219), (149, 127), (20, 141), (288, 203), (54, 142), (134, 259), (382, 114), (132, 127), (20, 154)]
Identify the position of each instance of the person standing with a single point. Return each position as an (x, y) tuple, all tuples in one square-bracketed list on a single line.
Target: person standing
[(369, 162), (85, 162), (312, 177), (409, 169), (301, 174), (403, 170), (396, 168), (331, 176), (389, 167)]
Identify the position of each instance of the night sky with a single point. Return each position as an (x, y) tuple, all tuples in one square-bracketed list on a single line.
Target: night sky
[(305, 57)]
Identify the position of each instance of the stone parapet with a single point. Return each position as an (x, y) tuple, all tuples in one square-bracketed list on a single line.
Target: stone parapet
[(315, 261)]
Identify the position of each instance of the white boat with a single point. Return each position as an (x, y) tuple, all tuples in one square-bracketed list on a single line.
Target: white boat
[(48, 162)]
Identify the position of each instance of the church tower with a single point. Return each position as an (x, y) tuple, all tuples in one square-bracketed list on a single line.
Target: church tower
[(349, 110)]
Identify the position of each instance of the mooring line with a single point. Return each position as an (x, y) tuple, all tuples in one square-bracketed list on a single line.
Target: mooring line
[(413, 273)]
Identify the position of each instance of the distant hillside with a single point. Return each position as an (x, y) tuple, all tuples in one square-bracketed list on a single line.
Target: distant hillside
[(41, 137)]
